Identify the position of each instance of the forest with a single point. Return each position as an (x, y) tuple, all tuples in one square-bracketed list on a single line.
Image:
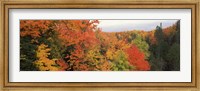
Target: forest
[(80, 45)]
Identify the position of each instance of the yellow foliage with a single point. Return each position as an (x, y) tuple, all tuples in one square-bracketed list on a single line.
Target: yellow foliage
[(44, 63), (109, 54), (122, 45), (116, 46), (42, 51), (93, 54), (105, 66)]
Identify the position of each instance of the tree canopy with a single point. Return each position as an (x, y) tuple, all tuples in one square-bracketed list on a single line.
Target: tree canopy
[(79, 45)]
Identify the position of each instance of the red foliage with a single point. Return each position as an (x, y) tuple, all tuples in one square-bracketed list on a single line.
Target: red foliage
[(137, 58), (62, 64), (152, 37), (78, 53)]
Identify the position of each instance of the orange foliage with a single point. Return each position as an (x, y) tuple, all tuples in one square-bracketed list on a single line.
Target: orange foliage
[(169, 31), (34, 28), (80, 34), (143, 34), (77, 32)]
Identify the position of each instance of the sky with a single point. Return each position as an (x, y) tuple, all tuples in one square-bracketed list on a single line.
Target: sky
[(125, 25)]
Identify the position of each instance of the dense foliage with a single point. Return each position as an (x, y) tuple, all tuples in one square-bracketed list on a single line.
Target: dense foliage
[(79, 45)]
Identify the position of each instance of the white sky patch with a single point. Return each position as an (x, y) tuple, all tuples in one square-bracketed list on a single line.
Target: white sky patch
[(125, 25)]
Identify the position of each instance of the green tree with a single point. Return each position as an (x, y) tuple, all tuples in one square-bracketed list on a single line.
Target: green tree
[(142, 45), (174, 57), (178, 32), (160, 39), (27, 54), (120, 62)]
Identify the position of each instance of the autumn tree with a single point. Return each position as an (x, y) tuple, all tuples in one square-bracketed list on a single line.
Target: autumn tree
[(120, 62), (137, 58), (44, 63), (79, 37), (34, 28), (142, 45), (30, 30)]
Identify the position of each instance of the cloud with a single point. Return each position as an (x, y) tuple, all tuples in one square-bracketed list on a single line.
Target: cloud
[(124, 25)]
